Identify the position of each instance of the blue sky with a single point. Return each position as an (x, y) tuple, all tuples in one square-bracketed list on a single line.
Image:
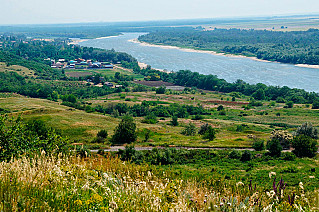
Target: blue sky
[(75, 11)]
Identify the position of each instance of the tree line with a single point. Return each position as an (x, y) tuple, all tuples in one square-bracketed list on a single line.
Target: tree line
[(296, 47)]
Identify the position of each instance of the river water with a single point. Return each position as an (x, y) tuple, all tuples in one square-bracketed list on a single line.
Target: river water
[(225, 67)]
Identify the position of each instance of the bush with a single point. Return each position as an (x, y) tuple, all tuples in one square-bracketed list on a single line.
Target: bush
[(125, 132), (304, 146), (259, 145), (174, 121), (210, 133), (82, 151), (235, 154), (308, 130), (288, 156), (203, 128), (150, 119), (315, 105), (17, 138), (220, 107), (102, 134), (246, 156), (274, 147), (289, 104), (189, 130)]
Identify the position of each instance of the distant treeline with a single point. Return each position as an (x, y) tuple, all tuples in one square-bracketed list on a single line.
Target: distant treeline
[(211, 82), (296, 47)]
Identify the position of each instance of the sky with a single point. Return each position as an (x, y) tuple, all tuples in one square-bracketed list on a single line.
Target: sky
[(78, 11)]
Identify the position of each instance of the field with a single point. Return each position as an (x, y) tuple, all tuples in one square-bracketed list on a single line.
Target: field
[(233, 129), (18, 69)]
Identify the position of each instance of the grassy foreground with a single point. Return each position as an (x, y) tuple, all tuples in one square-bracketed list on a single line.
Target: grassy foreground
[(109, 184)]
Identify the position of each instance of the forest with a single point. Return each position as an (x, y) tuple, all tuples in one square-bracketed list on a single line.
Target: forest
[(295, 47)]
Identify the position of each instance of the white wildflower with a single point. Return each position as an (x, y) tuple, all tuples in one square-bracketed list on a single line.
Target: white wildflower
[(271, 174), (301, 186)]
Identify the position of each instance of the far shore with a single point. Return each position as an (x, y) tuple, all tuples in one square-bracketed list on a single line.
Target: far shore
[(77, 41), (216, 53)]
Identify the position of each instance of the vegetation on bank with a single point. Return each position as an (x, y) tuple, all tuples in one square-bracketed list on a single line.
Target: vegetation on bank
[(296, 47)]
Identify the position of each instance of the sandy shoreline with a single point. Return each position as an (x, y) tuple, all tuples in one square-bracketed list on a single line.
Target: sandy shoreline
[(196, 50), (216, 53), (77, 41)]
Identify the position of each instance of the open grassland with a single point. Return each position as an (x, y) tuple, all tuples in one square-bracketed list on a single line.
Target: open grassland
[(105, 72), (233, 129), (18, 69), (108, 184)]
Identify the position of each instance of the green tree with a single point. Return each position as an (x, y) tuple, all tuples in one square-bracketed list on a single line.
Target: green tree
[(259, 145), (174, 121), (189, 129), (259, 94), (18, 138), (102, 134), (274, 147), (304, 146), (125, 132), (210, 133), (315, 104), (307, 129)]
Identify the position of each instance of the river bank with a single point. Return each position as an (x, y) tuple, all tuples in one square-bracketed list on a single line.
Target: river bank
[(216, 53)]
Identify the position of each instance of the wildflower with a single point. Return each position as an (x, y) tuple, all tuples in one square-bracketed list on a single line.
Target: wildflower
[(301, 186), (312, 177), (78, 202), (97, 198), (240, 184), (221, 204), (205, 200), (228, 203), (271, 174)]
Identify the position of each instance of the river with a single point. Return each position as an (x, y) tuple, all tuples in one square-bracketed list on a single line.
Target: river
[(225, 67)]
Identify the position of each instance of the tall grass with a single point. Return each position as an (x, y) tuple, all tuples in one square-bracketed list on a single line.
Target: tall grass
[(46, 183)]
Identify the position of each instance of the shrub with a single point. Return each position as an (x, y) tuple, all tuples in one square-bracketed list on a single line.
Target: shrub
[(289, 104), (235, 154), (222, 112), (308, 130), (315, 105), (17, 138), (259, 145), (125, 132), (305, 146), (102, 134), (210, 133), (246, 156), (174, 121), (160, 90), (220, 107), (288, 156), (203, 128), (283, 136), (150, 119), (189, 130), (274, 147)]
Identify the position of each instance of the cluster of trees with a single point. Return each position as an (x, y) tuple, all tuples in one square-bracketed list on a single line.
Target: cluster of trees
[(259, 91), (19, 138), (297, 47), (148, 107), (303, 141)]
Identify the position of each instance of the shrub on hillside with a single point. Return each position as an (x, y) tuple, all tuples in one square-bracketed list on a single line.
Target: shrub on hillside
[(259, 145), (125, 132), (246, 156), (18, 138), (235, 154), (189, 129), (304, 146), (274, 147), (307, 129)]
